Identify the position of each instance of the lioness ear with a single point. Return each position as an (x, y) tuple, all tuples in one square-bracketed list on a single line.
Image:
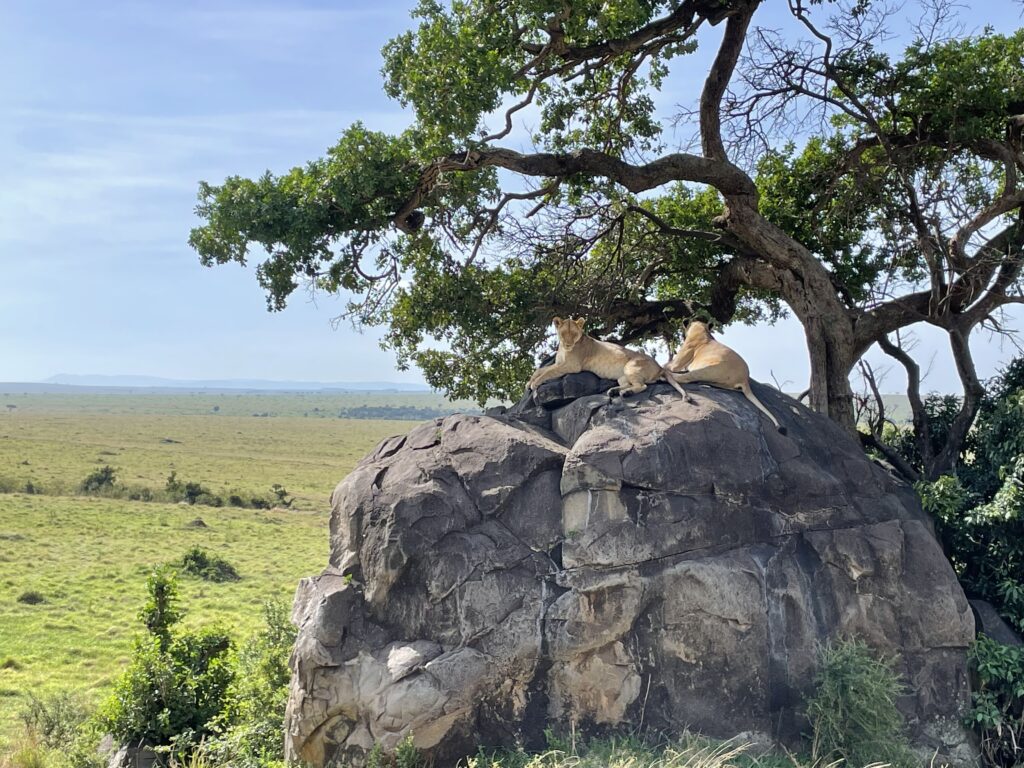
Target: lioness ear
[(557, 322), (579, 322)]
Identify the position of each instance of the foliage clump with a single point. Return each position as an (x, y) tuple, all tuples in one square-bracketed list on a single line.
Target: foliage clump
[(198, 562), (99, 480), (174, 687), (250, 728), (998, 713), (979, 511), (853, 711)]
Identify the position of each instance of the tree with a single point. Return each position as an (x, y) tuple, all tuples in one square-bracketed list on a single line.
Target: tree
[(899, 204)]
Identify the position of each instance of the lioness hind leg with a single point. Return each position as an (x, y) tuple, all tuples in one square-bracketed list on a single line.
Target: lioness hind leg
[(627, 386), (718, 374)]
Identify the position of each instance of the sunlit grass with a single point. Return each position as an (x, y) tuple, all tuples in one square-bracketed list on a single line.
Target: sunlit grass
[(54, 451), (79, 562)]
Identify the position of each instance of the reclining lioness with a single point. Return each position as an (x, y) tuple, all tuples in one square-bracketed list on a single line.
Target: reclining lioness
[(702, 359), (578, 352)]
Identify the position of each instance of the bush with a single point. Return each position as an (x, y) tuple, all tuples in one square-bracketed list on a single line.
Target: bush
[(998, 712), (251, 725), (175, 686), (281, 494), (208, 567), (161, 612), (99, 480), (853, 711), (191, 493), (985, 542), (31, 597), (54, 720)]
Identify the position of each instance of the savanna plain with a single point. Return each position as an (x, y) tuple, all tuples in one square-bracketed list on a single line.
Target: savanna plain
[(73, 565)]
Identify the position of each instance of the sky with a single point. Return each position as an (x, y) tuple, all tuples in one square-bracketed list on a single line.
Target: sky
[(110, 115)]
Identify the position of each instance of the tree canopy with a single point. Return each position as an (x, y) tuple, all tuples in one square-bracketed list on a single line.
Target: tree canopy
[(861, 190)]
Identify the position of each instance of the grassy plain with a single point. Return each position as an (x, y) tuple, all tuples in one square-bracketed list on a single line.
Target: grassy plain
[(54, 446), (87, 557)]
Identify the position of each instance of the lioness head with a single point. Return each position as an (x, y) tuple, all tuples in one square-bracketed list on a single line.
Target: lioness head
[(569, 331), (697, 329)]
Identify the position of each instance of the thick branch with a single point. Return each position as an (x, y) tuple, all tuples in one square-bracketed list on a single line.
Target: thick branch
[(1002, 205), (902, 465), (723, 239), (718, 80), (959, 341), (687, 16), (922, 435), (720, 174)]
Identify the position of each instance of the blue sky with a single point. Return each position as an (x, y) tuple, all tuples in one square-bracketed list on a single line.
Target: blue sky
[(110, 113)]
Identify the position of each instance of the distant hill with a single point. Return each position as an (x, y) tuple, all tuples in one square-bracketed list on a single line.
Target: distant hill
[(261, 385)]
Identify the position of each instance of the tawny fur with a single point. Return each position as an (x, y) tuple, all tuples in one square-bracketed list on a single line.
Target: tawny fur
[(578, 352), (702, 359)]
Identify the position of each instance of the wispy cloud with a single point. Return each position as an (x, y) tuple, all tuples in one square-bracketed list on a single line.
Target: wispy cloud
[(133, 178)]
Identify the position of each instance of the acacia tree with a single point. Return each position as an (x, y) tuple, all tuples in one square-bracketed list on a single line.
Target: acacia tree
[(897, 204)]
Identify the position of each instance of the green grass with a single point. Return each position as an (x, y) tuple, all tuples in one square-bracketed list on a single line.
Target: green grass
[(87, 557), (56, 450), (274, 404)]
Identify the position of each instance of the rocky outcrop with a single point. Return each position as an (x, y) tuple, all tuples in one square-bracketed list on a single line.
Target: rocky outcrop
[(652, 564)]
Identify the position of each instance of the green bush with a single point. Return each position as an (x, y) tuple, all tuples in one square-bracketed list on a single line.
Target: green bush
[(54, 720), (853, 711), (175, 686), (998, 712), (250, 729), (984, 541), (99, 480), (208, 567), (160, 611)]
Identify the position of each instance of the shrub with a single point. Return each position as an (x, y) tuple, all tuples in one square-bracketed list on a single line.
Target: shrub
[(175, 686), (160, 612), (853, 710), (140, 493), (998, 712), (985, 542), (208, 567), (171, 695), (251, 723), (191, 493), (99, 480), (172, 485), (54, 720), (281, 494), (31, 597), (407, 755)]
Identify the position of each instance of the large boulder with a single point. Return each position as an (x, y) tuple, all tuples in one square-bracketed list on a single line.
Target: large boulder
[(653, 564)]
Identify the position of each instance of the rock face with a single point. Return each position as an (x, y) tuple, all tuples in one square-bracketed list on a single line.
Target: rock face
[(656, 564)]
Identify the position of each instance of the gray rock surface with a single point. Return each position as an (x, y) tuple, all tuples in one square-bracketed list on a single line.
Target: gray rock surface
[(646, 564), (988, 622)]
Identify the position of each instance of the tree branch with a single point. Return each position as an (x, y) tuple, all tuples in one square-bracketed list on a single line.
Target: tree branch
[(922, 434), (720, 174), (718, 80)]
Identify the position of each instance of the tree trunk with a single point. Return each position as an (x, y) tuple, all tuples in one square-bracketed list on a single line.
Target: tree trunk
[(786, 267), (832, 358)]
